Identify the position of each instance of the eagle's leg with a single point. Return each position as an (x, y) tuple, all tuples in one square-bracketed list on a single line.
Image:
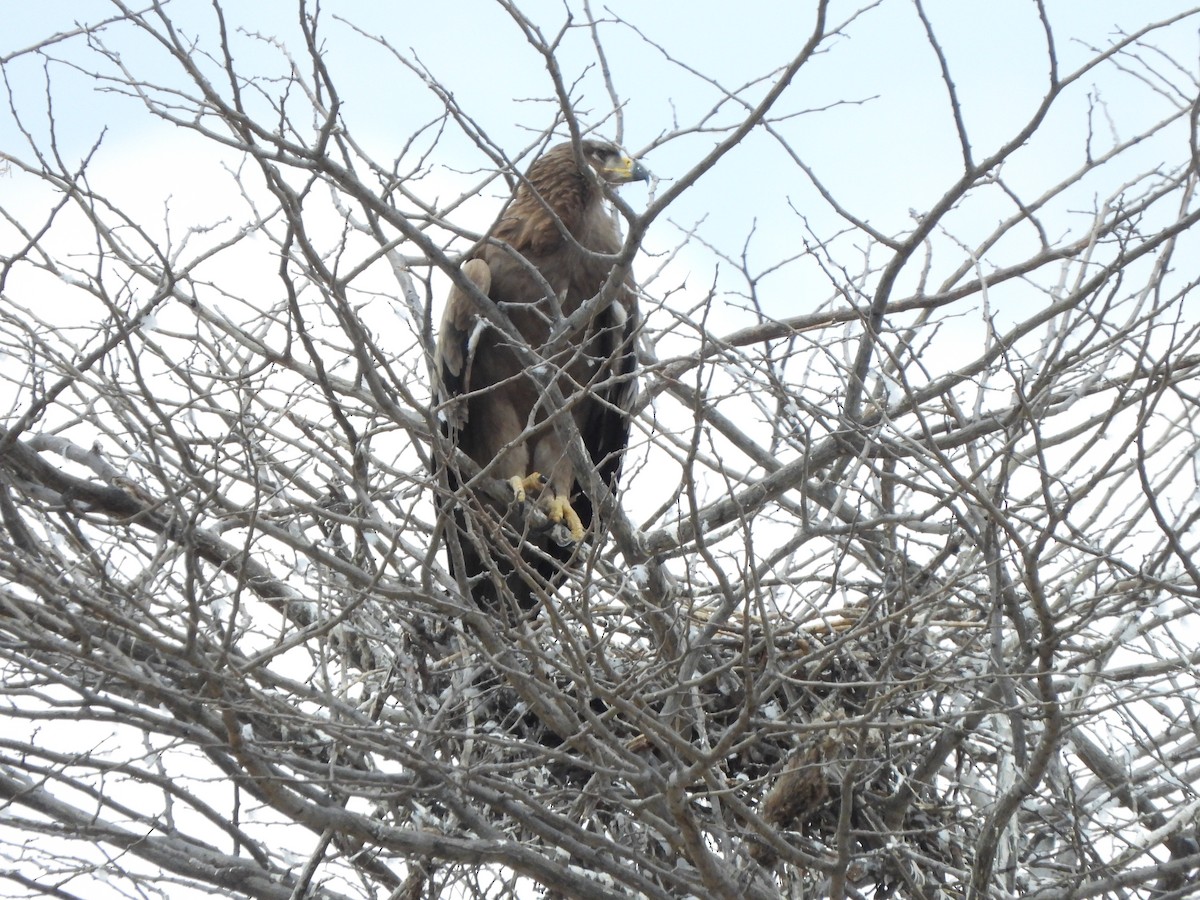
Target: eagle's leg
[(556, 506), (549, 456), (521, 485), (558, 509)]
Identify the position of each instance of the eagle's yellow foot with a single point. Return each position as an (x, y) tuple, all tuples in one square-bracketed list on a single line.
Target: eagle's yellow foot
[(558, 509), (534, 481)]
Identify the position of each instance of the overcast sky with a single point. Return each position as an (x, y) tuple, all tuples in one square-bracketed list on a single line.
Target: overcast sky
[(870, 115), (888, 154)]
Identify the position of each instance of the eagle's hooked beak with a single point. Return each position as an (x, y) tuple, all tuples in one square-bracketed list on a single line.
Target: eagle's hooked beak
[(625, 171)]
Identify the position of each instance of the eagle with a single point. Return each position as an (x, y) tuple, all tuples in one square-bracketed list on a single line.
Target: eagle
[(547, 255)]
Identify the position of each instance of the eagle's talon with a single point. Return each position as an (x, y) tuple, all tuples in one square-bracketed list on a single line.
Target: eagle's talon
[(517, 483), (534, 481), (559, 511)]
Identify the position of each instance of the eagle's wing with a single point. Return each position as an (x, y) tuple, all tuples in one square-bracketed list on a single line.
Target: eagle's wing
[(457, 340), (606, 424)]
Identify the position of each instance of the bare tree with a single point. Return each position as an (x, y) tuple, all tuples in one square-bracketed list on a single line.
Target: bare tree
[(899, 597)]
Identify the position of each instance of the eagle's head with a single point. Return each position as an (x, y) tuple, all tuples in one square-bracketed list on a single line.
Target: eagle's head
[(609, 161), (612, 163)]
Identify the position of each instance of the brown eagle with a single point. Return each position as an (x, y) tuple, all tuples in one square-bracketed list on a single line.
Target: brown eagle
[(548, 254)]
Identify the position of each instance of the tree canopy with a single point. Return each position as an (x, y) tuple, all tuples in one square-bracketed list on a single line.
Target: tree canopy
[(899, 595)]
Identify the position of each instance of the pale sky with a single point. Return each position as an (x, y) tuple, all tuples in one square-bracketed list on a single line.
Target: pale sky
[(870, 116), (890, 154)]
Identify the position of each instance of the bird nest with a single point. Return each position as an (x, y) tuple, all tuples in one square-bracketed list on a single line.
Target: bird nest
[(812, 736)]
